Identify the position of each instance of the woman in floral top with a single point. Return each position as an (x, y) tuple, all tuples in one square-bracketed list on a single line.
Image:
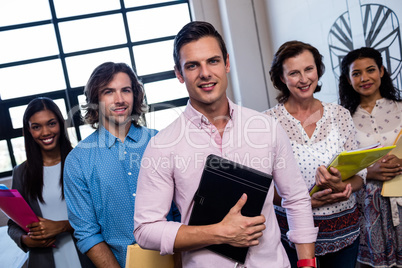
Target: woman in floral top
[(317, 131), (366, 90)]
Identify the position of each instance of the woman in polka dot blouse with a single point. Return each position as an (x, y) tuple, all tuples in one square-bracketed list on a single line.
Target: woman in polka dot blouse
[(366, 90), (317, 131)]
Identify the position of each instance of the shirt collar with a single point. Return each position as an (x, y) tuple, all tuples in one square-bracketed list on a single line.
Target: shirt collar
[(106, 138), (198, 118), (381, 101), (282, 108), (378, 102)]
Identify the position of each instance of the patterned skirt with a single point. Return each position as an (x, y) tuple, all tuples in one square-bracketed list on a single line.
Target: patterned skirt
[(336, 231), (380, 241)]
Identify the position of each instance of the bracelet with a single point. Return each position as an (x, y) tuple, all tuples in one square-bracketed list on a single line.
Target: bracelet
[(307, 262)]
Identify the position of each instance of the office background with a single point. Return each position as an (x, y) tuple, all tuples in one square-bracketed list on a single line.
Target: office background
[(50, 47)]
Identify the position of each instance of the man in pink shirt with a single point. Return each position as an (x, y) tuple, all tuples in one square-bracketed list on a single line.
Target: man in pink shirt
[(211, 124)]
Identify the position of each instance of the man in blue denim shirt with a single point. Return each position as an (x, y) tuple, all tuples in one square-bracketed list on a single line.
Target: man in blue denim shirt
[(100, 174)]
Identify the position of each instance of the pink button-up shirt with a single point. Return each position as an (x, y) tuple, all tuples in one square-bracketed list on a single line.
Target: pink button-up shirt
[(171, 169)]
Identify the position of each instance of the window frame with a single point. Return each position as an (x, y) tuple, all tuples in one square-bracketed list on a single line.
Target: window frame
[(70, 94)]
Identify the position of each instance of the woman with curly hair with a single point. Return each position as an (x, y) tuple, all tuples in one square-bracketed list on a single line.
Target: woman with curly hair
[(366, 90)]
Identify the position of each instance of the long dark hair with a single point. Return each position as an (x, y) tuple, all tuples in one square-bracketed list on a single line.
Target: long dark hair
[(288, 50), (348, 97), (100, 77), (33, 173)]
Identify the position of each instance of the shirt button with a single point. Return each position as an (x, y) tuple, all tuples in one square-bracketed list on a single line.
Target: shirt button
[(134, 194), (125, 152), (213, 131), (129, 173)]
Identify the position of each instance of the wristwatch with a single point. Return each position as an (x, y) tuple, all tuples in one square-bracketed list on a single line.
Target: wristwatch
[(307, 262)]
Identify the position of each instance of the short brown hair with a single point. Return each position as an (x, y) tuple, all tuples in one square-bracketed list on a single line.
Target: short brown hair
[(288, 50), (194, 31)]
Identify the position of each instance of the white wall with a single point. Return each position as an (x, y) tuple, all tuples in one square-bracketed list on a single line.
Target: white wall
[(254, 30), (311, 22), (208, 10), (244, 33)]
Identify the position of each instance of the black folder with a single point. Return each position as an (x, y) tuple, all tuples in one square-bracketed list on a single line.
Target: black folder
[(222, 184)]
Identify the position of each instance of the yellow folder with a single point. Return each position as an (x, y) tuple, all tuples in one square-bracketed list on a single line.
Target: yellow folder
[(349, 163), (393, 188), (144, 258)]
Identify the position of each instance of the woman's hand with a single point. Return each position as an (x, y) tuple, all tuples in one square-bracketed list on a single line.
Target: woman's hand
[(385, 169), (329, 180), (326, 196), (45, 229), (37, 243)]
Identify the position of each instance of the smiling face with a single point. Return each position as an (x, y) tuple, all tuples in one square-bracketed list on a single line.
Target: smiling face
[(204, 72), (365, 77), (300, 75), (45, 130), (116, 103)]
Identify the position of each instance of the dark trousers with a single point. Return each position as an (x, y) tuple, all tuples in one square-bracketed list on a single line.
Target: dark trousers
[(345, 258)]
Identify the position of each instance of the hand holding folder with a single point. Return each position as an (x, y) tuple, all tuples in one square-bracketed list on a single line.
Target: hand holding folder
[(349, 163), (222, 184), (16, 208)]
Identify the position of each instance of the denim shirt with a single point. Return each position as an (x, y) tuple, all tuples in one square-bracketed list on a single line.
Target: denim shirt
[(100, 184)]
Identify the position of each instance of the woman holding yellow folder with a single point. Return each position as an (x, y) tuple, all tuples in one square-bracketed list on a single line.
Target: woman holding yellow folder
[(39, 180), (317, 131), (366, 90)]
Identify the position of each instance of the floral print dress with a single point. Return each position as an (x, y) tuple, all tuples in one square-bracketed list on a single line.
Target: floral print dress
[(380, 240)]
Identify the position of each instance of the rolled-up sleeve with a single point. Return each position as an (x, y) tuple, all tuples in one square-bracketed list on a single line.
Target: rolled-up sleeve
[(80, 208), (293, 190), (155, 191)]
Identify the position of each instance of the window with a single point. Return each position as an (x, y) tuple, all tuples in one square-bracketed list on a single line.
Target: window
[(53, 50)]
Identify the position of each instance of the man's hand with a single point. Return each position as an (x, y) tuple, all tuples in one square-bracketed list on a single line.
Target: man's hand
[(326, 196), (235, 229), (385, 169), (238, 230)]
